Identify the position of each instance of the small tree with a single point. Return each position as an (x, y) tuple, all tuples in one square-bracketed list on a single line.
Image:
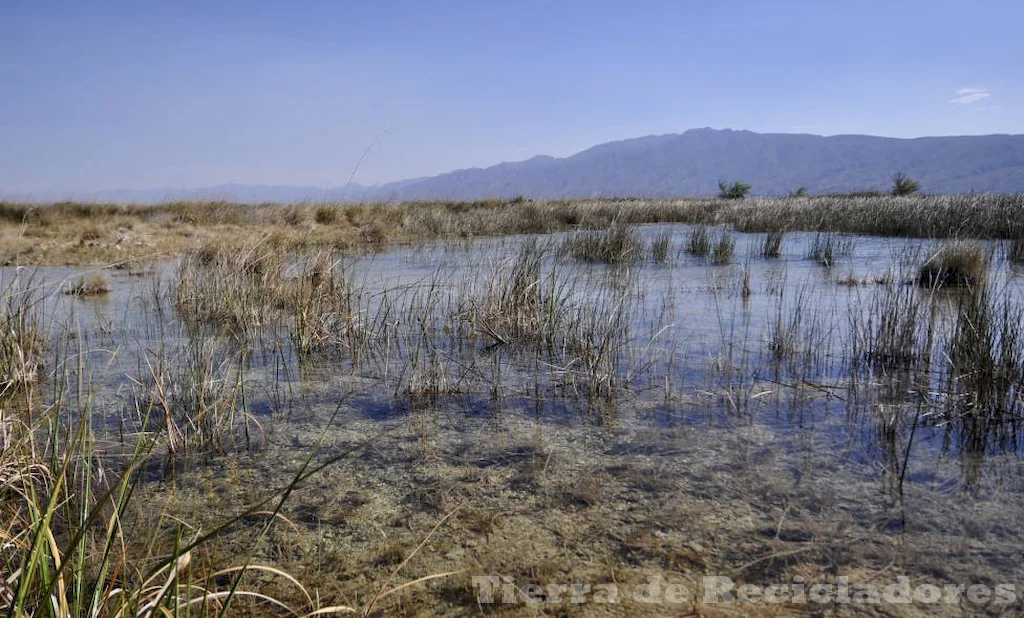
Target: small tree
[(904, 185), (734, 191)]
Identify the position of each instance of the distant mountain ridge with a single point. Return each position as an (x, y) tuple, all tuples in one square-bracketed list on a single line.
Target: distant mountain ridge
[(688, 164), (691, 163)]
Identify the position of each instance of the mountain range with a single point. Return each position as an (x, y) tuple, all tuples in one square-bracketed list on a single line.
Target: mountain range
[(684, 164)]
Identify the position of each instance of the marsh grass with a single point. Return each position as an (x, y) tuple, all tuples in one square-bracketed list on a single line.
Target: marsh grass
[(326, 215), (21, 336), (661, 247), (75, 540), (523, 304), (618, 244), (959, 264), (699, 242), (93, 285), (724, 247), (1015, 252), (827, 248), (771, 245), (117, 232), (594, 352), (196, 399), (897, 330), (783, 335), (232, 288), (985, 353)]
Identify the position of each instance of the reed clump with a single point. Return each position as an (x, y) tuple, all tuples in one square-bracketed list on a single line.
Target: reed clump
[(326, 215), (985, 355), (699, 242), (960, 264), (771, 245), (522, 303), (21, 338), (898, 329), (194, 397), (827, 248), (93, 285), (724, 247), (234, 288), (1016, 250), (660, 247), (617, 244)]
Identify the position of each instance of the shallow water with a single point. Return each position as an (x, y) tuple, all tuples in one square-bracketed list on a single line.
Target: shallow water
[(708, 455)]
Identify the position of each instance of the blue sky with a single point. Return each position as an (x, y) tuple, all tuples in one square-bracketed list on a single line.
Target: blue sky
[(146, 94)]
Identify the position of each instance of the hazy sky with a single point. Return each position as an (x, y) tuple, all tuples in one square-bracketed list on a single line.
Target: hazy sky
[(144, 94)]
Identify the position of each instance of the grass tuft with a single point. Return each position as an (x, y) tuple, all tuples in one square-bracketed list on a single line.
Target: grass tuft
[(771, 245), (94, 285), (959, 264), (699, 243), (724, 248), (661, 247), (618, 244), (826, 248)]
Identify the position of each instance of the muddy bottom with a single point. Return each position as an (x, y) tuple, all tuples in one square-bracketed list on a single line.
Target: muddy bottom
[(639, 517)]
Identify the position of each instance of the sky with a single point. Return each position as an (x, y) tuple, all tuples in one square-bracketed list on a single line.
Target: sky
[(144, 94)]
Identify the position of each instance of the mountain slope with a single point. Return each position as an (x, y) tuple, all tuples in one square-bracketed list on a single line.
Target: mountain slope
[(685, 164), (691, 163)]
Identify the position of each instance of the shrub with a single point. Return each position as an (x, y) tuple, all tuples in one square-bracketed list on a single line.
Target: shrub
[(904, 185), (735, 191)]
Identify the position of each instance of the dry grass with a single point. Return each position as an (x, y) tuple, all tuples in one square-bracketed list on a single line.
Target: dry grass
[(618, 244), (960, 264), (522, 304), (74, 233), (21, 337), (93, 285)]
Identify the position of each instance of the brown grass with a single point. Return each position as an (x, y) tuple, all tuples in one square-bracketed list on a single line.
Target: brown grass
[(77, 233), (959, 264), (93, 285)]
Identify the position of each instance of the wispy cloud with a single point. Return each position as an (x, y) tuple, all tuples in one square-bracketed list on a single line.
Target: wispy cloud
[(967, 96)]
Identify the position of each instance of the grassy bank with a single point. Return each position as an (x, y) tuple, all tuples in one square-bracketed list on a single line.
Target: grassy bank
[(78, 233)]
